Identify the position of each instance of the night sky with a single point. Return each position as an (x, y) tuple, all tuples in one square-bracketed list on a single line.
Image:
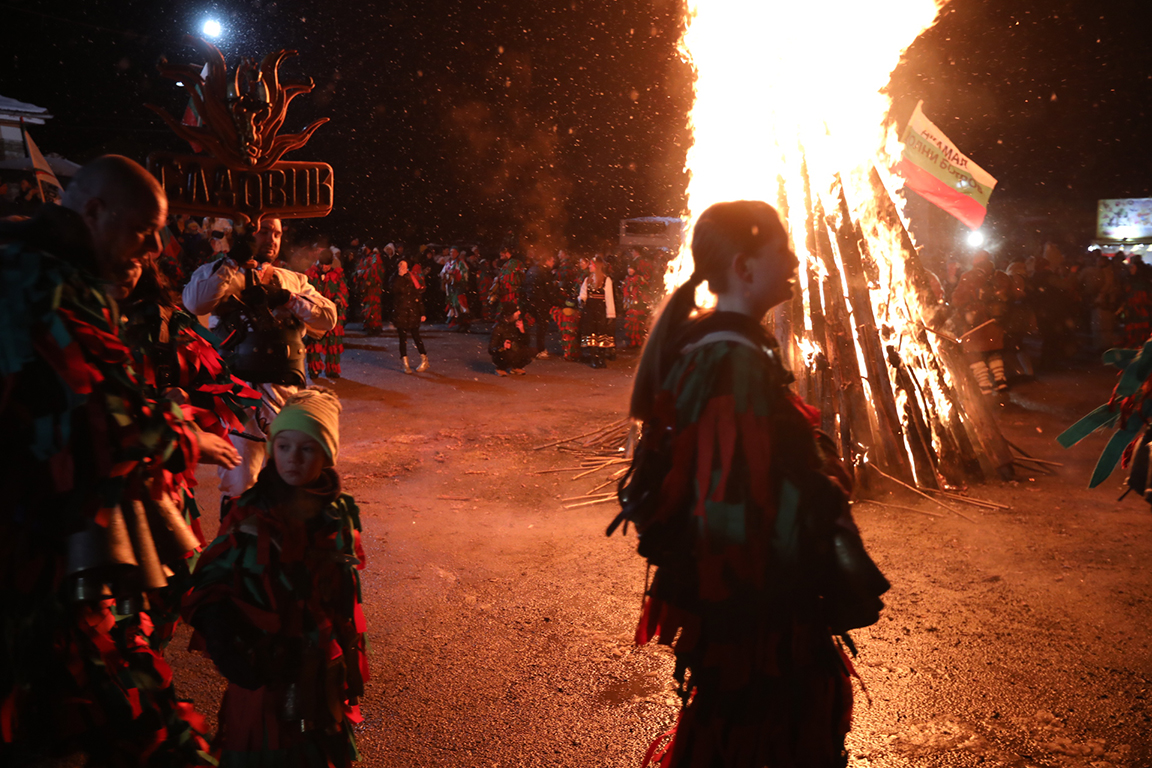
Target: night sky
[(462, 121)]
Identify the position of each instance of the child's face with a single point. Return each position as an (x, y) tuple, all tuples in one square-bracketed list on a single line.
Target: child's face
[(299, 458)]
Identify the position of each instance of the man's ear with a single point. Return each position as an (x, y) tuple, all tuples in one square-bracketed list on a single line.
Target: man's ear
[(91, 211)]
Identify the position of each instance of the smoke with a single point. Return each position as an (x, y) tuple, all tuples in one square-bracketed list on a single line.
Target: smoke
[(510, 161)]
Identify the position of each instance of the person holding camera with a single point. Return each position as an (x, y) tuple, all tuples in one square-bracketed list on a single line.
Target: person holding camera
[(262, 313)]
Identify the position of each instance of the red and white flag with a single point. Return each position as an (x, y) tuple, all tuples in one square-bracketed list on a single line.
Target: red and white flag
[(932, 166)]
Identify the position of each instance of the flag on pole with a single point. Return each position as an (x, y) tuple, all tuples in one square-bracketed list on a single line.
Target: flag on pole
[(44, 174), (191, 116), (933, 167)]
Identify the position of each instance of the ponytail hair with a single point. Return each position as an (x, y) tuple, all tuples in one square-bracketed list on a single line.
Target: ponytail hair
[(723, 231)]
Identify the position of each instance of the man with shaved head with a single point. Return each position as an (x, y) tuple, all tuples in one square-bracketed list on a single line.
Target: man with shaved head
[(86, 454), (124, 209)]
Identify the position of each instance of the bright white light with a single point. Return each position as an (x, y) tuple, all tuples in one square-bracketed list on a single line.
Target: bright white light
[(212, 28), (975, 238)]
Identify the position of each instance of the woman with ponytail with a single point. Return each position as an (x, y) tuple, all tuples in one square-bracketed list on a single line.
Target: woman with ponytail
[(741, 517)]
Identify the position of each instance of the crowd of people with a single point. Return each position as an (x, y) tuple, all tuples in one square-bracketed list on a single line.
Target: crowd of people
[(1013, 315), (113, 394), (594, 301)]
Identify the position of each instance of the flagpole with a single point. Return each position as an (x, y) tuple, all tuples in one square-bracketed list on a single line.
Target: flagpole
[(24, 136)]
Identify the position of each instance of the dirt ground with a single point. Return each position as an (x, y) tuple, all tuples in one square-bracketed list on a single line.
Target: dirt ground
[(500, 623)]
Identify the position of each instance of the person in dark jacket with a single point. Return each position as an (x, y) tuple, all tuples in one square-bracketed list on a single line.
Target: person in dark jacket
[(540, 295), (408, 313), (509, 345)]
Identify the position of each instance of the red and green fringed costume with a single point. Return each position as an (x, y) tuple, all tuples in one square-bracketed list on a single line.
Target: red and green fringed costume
[(568, 321), (763, 681), (180, 359), (277, 605), (455, 279), (324, 353), (85, 450), (506, 287), (370, 278), (633, 292)]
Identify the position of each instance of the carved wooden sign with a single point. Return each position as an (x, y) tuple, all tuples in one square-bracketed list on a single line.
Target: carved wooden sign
[(203, 186), (236, 121)]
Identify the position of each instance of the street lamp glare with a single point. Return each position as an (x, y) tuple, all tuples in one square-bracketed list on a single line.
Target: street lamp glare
[(212, 28), (975, 238)]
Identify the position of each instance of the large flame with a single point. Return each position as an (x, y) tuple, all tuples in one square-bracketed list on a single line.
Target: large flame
[(775, 80), (786, 87)]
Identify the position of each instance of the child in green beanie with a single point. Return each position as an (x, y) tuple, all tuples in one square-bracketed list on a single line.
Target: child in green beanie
[(277, 604)]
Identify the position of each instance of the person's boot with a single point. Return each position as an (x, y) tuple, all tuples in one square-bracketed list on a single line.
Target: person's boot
[(407, 368), (423, 364), (983, 376), (996, 365)]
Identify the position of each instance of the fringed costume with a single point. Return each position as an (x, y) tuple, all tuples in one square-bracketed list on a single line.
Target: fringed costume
[(91, 462), (568, 321), (178, 358), (277, 605), (505, 289), (740, 542), (1128, 411), (454, 277), (484, 282), (370, 277), (634, 294), (324, 353), (1136, 311)]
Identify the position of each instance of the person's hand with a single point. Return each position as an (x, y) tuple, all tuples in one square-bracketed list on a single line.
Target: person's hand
[(216, 450), (507, 344), (176, 395), (255, 296), (278, 297), (423, 319)]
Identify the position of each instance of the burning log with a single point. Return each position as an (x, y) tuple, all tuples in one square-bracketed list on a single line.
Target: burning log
[(972, 409), (888, 426), (892, 396), (855, 426)]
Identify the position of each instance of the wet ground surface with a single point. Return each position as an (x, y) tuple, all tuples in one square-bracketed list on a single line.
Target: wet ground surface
[(501, 623)]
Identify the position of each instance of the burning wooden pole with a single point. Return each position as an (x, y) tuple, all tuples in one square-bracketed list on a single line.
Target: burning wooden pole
[(888, 393), (972, 408), (820, 367), (856, 428), (893, 453)]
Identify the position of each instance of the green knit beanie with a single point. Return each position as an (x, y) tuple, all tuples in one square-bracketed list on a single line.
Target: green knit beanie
[(315, 412)]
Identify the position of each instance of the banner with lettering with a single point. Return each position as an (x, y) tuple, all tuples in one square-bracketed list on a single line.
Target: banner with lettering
[(932, 166)]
